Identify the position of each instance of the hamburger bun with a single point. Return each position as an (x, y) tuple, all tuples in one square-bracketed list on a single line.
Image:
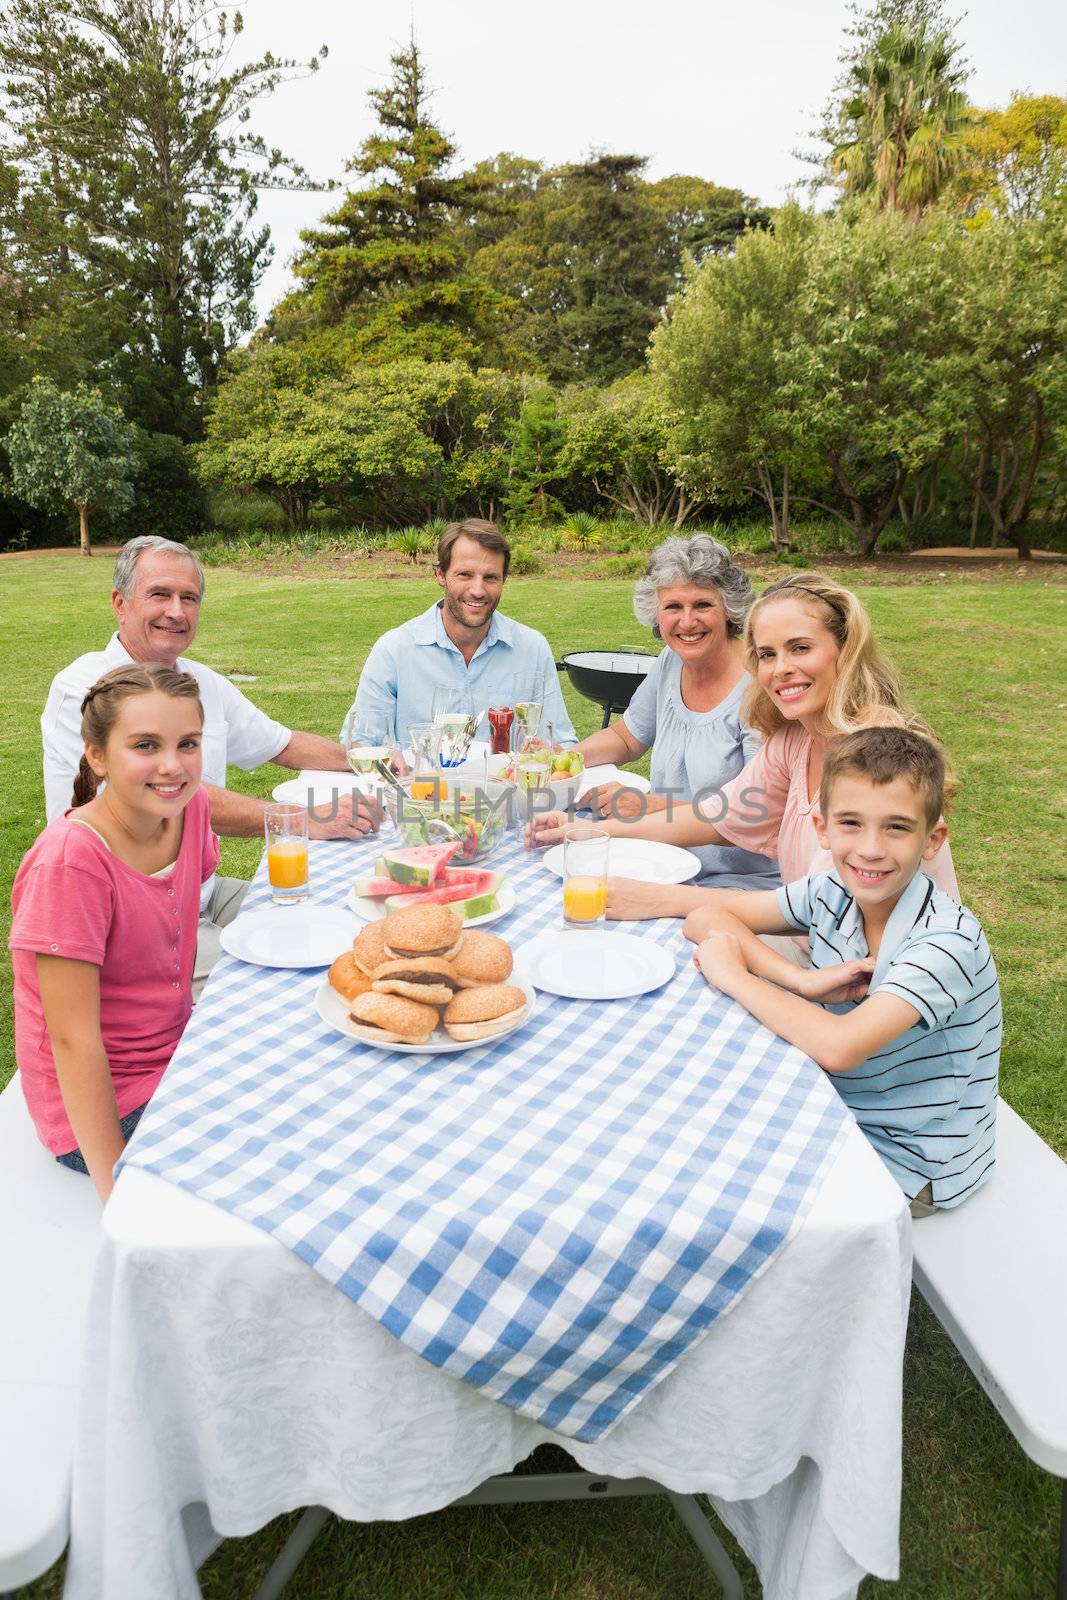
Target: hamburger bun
[(427, 979), (481, 1012), (388, 1019), (422, 931), (481, 958), (346, 977), (368, 947)]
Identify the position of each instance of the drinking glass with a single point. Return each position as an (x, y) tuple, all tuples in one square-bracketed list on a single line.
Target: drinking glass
[(528, 715), (285, 829), (456, 720), (367, 749), (585, 875), (425, 742)]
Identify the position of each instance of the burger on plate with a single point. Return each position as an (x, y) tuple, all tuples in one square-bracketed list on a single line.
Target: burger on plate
[(481, 958), (347, 977), (390, 1019), (480, 1013), (428, 979), (368, 947), (422, 931)]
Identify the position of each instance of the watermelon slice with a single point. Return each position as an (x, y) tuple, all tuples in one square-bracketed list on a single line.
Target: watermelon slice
[(419, 864), (474, 880), (462, 902)]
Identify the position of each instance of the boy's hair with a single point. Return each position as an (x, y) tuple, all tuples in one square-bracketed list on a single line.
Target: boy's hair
[(487, 534), (100, 709), (883, 754)]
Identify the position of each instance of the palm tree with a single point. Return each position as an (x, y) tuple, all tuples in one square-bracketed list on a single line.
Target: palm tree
[(904, 126)]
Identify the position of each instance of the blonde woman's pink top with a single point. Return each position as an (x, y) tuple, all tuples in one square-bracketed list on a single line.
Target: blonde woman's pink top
[(72, 897), (768, 810)]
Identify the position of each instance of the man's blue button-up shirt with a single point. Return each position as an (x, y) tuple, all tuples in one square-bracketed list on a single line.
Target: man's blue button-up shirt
[(406, 665)]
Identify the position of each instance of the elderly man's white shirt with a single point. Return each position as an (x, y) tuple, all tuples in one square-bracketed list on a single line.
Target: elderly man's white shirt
[(235, 731)]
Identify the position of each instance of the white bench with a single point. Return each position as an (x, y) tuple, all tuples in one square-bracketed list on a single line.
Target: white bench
[(48, 1241), (994, 1273)]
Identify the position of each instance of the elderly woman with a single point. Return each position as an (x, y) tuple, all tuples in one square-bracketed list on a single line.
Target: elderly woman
[(694, 598)]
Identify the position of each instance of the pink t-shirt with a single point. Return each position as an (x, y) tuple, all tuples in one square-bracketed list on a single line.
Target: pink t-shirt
[(72, 897), (769, 811)]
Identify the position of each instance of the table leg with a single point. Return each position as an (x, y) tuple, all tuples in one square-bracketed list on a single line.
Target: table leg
[(1061, 1572), (294, 1550)]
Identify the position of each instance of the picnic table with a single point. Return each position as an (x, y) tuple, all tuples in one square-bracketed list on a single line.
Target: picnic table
[(239, 1357)]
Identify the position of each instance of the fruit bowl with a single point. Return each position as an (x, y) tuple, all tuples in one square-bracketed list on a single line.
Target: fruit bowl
[(465, 812)]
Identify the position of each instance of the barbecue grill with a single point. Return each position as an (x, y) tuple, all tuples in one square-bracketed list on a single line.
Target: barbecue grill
[(610, 678)]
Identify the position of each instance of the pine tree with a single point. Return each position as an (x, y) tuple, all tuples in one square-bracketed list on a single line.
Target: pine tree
[(384, 276)]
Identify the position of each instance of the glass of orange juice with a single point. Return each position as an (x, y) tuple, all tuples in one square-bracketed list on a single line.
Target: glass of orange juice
[(286, 831), (585, 875)]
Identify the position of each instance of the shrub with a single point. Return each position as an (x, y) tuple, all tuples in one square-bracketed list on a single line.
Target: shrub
[(630, 566), (581, 531), (410, 542), (525, 562)]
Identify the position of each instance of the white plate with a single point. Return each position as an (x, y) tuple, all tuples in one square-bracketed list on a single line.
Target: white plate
[(593, 964), (333, 1009), (370, 909), (639, 858), (322, 787), (290, 936), (608, 774)]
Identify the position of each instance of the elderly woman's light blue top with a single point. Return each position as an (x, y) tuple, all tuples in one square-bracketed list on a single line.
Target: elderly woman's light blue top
[(696, 752)]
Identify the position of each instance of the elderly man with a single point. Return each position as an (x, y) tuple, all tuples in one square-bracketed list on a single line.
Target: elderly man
[(462, 642), (159, 586)]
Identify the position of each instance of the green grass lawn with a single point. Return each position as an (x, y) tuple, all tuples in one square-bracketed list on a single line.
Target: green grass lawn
[(984, 661)]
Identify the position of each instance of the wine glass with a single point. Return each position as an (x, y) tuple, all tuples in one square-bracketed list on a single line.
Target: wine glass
[(455, 720)]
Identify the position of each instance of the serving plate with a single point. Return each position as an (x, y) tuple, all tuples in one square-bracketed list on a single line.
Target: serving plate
[(644, 859), (370, 909), (333, 1009)]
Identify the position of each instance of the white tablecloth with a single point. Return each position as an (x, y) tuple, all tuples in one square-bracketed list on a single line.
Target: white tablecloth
[(221, 1369)]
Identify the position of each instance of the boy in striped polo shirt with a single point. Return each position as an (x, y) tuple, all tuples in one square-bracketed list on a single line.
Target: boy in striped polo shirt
[(901, 1002)]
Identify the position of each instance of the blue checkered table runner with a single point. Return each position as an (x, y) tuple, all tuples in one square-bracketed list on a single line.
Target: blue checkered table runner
[(554, 1218)]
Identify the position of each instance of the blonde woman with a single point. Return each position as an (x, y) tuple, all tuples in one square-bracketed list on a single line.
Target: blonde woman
[(817, 673)]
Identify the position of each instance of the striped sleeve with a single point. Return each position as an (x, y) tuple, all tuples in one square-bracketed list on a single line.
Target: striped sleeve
[(934, 972), (796, 900)]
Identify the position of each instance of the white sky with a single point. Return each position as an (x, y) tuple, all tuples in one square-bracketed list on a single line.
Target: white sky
[(725, 89)]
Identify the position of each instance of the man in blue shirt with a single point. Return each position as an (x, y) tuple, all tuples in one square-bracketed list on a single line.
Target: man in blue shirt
[(901, 1002), (460, 643)]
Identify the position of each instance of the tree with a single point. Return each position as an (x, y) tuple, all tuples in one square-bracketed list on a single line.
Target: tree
[(722, 357), (1010, 321), (701, 218), (536, 440), (384, 271), (587, 269), (138, 181), (72, 448), (622, 440), (1015, 163), (903, 128), (874, 369), (396, 443)]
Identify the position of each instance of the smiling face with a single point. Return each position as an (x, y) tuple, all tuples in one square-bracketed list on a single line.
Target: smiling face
[(158, 620), (796, 659), (472, 584), (151, 760), (693, 622), (878, 835)]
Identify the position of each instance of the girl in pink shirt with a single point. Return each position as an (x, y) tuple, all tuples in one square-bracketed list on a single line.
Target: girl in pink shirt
[(105, 910), (817, 674)]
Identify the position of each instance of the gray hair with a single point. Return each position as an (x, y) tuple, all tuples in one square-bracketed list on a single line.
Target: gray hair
[(134, 549), (706, 564)]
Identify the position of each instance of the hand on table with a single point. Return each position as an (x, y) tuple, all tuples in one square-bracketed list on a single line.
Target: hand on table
[(354, 816), (615, 800), (634, 900), (845, 980), (721, 959), (547, 827)]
